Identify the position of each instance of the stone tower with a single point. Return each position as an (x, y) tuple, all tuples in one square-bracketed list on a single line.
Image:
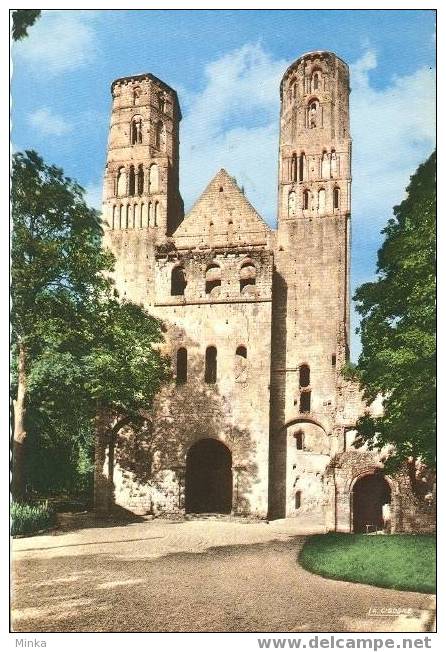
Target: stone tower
[(258, 418), (311, 287), (141, 201)]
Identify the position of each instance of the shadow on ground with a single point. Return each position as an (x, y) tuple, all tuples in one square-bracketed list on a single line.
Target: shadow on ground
[(72, 521), (235, 588)]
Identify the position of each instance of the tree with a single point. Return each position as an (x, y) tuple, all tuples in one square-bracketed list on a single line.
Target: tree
[(22, 19), (77, 348), (398, 358)]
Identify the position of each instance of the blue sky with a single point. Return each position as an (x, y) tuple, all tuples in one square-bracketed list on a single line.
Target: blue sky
[(226, 67)]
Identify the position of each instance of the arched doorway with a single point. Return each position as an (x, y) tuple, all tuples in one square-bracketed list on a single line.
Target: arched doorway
[(370, 492), (209, 478)]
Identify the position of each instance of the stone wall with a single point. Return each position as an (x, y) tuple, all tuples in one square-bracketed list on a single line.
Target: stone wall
[(267, 310)]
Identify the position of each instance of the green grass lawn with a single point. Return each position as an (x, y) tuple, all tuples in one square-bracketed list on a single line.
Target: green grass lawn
[(396, 561)]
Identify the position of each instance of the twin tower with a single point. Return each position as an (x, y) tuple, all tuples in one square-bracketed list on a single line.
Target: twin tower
[(141, 188), (294, 321)]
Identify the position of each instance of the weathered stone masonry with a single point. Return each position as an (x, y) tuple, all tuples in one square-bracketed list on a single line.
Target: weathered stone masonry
[(259, 419)]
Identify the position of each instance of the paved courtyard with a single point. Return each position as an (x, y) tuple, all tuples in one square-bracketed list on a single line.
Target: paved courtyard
[(191, 576)]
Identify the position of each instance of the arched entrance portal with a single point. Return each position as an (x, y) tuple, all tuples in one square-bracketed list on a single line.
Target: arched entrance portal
[(370, 493), (209, 478)]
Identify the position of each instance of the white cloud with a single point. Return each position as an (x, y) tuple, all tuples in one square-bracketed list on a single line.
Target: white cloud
[(48, 123), (59, 41), (233, 123), (393, 131)]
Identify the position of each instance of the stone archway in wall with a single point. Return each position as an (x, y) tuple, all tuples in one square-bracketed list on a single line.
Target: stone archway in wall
[(370, 492), (208, 482)]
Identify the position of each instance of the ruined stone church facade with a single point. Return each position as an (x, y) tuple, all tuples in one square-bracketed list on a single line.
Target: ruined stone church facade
[(258, 419)]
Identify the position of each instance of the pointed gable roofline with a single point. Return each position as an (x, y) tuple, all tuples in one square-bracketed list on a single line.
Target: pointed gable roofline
[(224, 180)]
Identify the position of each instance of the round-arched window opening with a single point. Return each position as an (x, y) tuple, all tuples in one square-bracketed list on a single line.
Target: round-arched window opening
[(248, 275), (213, 279), (241, 351), (304, 375), (178, 281)]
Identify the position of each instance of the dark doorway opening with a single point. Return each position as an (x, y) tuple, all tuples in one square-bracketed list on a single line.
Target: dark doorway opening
[(209, 478), (370, 493)]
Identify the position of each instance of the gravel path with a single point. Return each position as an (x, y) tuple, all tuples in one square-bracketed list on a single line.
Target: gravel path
[(193, 576)]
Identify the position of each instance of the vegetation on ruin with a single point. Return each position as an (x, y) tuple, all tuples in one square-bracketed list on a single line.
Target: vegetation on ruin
[(26, 519), (77, 350), (398, 327), (398, 561)]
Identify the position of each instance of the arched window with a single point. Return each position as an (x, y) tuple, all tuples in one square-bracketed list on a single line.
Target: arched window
[(333, 164), (301, 166), (304, 375), (177, 281), (140, 179), (336, 198), (230, 231), (248, 274), (213, 279), (143, 215), (181, 377), (299, 437), (241, 352), (121, 182), (211, 233), (294, 167), (153, 178), (210, 371), (132, 180), (297, 499), (113, 218), (325, 165), (127, 216), (150, 215), (321, 201), (161, 102), (136, 94), (306, 200), (292, 203), (156, 213), (159, 135), (121, 217), (313, 114), (137, 216), (305, 401), (316, 80), (241, 366), (136, 130)]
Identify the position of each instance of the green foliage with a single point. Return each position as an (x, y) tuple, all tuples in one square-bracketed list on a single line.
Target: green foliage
[(26, 519), (57, 264), (22, 19), (350, 371), (397, 561), (86, 351), (398, 329)]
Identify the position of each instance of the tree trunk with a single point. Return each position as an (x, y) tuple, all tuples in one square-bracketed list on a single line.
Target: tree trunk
[(18, 455)]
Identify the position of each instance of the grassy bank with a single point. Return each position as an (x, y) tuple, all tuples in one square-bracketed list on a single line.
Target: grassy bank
[(27, 519), (398, 561)]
